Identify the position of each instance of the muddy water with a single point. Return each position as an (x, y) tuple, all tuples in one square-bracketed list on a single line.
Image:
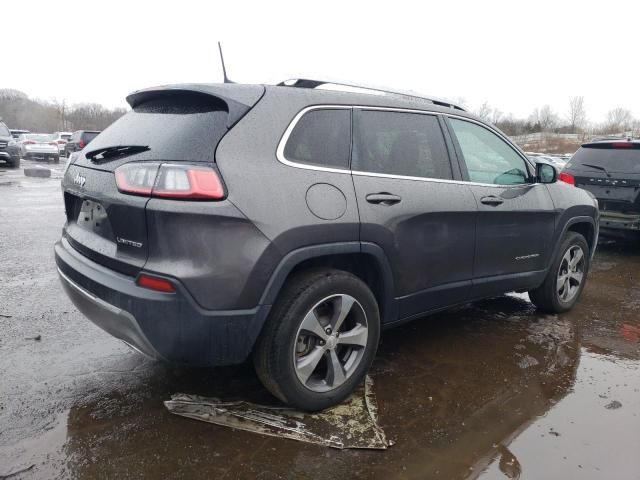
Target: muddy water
[(490, 390)]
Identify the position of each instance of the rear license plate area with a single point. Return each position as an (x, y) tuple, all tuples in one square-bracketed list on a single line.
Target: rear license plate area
[(92, 217)]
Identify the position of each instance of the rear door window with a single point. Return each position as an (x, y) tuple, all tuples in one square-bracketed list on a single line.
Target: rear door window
[(321, 137), (399, 143), (488, 158)]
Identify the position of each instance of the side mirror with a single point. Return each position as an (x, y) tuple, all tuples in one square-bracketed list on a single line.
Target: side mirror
[(546, 173)]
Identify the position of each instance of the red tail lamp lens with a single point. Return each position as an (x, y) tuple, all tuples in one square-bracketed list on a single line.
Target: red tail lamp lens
[(622, 145), (567, 178), (156, 283), (172, 181), (188, 182), (137, 178)]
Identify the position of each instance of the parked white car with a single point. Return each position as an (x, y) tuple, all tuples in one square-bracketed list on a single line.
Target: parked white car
[(37, 146), (61, 138)]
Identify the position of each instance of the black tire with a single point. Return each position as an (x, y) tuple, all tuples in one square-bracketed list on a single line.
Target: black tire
[(277, 346), (546, 297), (56, 159), (15, 162)]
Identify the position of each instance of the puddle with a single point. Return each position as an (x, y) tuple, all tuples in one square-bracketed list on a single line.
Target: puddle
[(352, 424)]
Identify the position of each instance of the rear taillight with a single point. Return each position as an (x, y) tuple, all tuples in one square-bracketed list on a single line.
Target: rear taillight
[(567, 178), (53, 144), (62, 142), (155, 283), (622, 145), (174, 181), (29, 142), (82, 144)]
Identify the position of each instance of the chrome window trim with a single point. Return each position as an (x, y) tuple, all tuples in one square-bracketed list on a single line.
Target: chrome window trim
[(499, 135), (285, 137)]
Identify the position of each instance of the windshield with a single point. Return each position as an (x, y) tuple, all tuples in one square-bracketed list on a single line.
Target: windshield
[(611, 159), (4, 131)]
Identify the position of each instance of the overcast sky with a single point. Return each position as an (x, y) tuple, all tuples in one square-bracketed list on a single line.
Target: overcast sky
[(514, 55)]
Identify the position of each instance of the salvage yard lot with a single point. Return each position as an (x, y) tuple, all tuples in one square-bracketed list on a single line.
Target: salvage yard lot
[(489, 390)]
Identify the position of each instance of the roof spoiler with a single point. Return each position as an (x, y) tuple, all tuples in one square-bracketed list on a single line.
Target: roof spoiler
[(310, 83), (239, 99)]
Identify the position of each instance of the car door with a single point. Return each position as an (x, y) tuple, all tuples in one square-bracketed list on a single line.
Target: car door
[(412, 205), (516, 216)]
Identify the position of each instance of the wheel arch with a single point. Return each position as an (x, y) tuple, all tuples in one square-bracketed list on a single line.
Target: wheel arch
[(585, 226), (367, 261)]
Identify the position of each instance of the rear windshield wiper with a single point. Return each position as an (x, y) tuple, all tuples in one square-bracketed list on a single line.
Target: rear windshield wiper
[(118, 151), (597, 167)]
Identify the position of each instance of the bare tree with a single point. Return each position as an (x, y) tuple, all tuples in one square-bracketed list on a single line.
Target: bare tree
[(619, 120), (547, 118), (484, 112), (576, 114)]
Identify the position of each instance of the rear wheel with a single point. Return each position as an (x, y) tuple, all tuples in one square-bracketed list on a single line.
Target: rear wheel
[(15, 162), (566, 277), (319, 340)]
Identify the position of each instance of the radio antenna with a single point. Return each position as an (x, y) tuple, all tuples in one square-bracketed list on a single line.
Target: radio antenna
[(224, 69)]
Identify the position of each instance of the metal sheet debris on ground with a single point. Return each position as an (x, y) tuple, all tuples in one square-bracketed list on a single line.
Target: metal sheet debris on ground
[(352, 424)]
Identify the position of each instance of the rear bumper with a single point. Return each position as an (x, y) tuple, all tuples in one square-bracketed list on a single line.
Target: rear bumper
[(168, 326), (619, 221), (41, 154)]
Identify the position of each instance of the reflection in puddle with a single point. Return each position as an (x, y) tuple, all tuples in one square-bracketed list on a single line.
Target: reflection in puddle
[(577, 433)]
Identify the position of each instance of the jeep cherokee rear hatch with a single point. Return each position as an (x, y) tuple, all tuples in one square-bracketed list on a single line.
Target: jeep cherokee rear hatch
[(611, 171), (163, 148)]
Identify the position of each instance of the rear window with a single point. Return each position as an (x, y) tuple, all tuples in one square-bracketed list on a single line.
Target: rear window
[(38, 137), (88, 136), (407, 144), (620, 160), (175, 127), (321, 137)]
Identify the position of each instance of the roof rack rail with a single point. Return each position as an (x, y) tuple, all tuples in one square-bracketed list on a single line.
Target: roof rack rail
[(310, 83)]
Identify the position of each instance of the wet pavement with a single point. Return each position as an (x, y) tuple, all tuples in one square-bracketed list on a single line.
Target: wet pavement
[(490, 390)]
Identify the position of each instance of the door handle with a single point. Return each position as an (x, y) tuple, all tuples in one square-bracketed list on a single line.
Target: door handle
[(383, 198), (492, 200)]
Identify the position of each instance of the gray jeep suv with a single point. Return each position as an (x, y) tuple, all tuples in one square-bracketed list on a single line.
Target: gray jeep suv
[(291, 224)]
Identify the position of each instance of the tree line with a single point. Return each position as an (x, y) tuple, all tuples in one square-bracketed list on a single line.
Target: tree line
[(619, 121), (19, 111)]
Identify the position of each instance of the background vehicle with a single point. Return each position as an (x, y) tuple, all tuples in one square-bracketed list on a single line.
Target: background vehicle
[(35, 146), (5, 154), (15, 133), (61, 138), (292, 224), (79, 139), (610, 170)]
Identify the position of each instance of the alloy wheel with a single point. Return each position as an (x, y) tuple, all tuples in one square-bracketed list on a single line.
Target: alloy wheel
[(570, 273), (330, 342)]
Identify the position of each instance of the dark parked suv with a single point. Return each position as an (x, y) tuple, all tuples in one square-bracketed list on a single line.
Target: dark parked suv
[(610, 170), (291, 224), (79, 139), (5, 140)]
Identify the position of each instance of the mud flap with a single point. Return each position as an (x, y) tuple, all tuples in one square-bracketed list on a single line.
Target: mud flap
[(352, 424)]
